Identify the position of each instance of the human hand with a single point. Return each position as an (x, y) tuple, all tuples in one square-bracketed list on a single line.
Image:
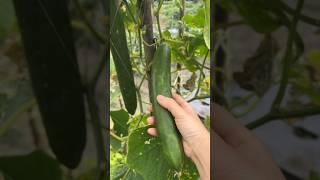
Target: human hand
[(195, 137), (238, 154)]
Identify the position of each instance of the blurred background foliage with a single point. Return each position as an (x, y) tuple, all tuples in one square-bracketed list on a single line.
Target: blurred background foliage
[(25, 152), (266, 69)]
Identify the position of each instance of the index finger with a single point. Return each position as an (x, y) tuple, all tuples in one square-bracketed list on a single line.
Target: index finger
[(171, 105)]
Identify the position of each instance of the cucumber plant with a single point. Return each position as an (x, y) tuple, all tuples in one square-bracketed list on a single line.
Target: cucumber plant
[(155, 50)]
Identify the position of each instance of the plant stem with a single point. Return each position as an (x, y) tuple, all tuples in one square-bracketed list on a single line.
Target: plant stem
[(304, 18), (144, 7), (140, 100), (287, 59), (98, 71), (139, 94), (243, 100), (100, 146), (137, 67), (116, 136), (140, 48), (284, 114), (159, 27), (201, 74), (199, 97)]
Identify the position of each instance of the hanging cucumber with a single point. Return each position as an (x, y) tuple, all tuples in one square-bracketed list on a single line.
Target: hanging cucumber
[(161, 85), (52, 64)]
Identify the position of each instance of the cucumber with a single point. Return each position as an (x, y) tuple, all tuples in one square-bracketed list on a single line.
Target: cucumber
[(161, 85), (46, 34)]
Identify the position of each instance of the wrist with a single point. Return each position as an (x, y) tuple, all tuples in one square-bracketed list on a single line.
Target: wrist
[(201, 155)]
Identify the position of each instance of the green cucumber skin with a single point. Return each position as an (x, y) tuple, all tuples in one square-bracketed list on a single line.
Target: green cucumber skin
[(161, 85)]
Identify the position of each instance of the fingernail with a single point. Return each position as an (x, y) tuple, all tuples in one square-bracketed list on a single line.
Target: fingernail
[(149, 131)]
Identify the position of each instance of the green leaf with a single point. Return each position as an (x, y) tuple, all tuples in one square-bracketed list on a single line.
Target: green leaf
[(7, 18), (122, 171), (120, 119), (55, 76), (139, 120), (189, 170), (197, 46), (145, 156), (16, 105), (36, 166), (206, 29), (196, 20), (118, 172), (121, 57), (133, 175)]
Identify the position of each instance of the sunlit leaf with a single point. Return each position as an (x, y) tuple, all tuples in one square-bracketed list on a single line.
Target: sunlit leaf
[(196, 20), (145, 156)]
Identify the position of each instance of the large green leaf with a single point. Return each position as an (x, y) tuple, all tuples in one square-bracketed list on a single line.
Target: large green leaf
[(120, 119), (122, 171), (121, 57), (51, 57), (145, 156), (36, 166)]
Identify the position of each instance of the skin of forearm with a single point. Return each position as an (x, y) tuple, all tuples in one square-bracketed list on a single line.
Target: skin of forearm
[(201, 156)]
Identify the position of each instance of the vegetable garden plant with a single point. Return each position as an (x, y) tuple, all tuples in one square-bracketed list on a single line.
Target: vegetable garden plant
[(156, 47)]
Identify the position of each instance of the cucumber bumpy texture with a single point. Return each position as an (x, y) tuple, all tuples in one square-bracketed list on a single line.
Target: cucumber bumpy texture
[(161, 85)]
